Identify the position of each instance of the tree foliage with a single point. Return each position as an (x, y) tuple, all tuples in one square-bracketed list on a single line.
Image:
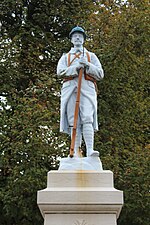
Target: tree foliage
[(34, 35)]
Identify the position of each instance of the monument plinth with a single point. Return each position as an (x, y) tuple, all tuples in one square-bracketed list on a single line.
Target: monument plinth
[(80, 198)]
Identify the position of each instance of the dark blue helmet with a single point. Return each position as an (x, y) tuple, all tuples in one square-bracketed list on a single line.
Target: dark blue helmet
[(77, 29)]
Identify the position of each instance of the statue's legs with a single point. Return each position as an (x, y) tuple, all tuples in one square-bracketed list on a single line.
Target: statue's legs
[(85, 120)]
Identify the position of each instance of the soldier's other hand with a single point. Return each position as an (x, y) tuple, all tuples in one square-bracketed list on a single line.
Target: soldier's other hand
[(83, 61)]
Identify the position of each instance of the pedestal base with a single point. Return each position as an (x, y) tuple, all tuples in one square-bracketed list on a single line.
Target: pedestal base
[(80, 198)]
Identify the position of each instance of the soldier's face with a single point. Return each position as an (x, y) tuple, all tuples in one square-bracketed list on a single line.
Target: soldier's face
[(77, 39)]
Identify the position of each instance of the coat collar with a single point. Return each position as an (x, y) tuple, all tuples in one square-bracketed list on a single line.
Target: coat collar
[(74, 50)]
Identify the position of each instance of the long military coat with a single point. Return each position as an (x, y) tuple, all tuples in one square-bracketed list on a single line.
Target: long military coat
[(87, 87)]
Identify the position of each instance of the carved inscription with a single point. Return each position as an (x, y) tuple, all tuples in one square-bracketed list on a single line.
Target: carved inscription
[(81, 222)]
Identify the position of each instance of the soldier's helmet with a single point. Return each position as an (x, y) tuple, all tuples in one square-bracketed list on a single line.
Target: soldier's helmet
[(77, 29)]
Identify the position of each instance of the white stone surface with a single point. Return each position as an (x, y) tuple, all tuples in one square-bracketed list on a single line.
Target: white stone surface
[(83, 163), (80, 198), (80, 219), (76, 179)]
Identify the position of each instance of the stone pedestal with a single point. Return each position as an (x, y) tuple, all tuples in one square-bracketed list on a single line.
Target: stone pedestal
[(80, 198)]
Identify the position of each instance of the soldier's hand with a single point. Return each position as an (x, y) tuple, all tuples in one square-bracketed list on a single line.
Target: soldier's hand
[(79, 66), (83, 61)]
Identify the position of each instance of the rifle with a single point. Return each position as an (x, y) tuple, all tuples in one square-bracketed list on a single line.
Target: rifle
[(76, 112)]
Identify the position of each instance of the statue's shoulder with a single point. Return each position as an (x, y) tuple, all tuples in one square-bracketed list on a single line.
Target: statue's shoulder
[(63, 54), (88, 51), (91, 53)]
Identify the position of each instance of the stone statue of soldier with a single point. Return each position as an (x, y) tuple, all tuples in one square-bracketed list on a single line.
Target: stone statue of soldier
[(68, 68)]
